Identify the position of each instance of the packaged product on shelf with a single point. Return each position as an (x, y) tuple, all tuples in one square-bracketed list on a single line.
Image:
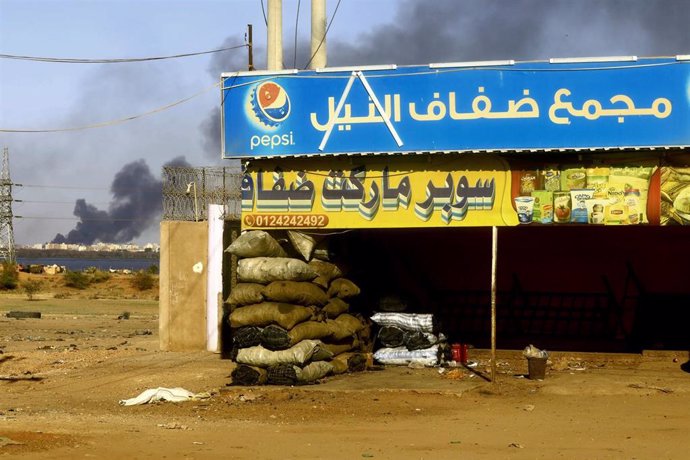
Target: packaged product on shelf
[(561, 207), (598, 179), (596, 211), (579, 197), (632, 203), (626, 179), (529, 181), (551, 179), (573, 178), (617, 213), (525, 208), (543, 206)]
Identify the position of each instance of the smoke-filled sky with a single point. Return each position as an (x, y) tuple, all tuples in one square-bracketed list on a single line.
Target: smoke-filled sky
[(101, 184)]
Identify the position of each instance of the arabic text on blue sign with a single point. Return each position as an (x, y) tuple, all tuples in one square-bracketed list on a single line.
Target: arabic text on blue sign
[(526, 106)]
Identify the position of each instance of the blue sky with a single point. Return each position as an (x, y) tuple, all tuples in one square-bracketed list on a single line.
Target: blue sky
[(35, 95)]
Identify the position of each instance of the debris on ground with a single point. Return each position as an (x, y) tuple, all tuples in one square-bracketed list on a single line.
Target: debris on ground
[(164, 394), (641, 386)]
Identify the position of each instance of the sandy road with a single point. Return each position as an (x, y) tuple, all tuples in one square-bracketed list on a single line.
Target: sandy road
[(587, 407)]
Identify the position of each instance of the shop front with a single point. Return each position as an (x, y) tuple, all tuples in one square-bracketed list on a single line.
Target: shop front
[(402, 174)]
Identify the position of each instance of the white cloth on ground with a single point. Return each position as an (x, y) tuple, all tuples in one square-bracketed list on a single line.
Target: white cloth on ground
[(163, 394)]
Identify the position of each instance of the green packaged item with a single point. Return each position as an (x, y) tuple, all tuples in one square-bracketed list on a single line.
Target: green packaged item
[(573, 178), (543, 206), (551, 178)]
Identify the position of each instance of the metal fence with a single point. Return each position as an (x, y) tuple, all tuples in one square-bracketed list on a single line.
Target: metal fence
[(187, 192)]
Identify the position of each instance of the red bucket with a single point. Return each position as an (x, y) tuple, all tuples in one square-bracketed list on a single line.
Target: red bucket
[(458, 352)]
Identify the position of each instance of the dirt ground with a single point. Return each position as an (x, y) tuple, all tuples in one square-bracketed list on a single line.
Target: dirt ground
[(85, 360)]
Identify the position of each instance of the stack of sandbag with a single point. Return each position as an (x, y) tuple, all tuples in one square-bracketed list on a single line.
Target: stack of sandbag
[(407, 338), (289, 317)]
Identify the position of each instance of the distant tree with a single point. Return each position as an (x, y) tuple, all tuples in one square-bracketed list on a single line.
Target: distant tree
[(142, 281), (9, 278), (99, 276), (153, 269), (31, 287), (77, 280)]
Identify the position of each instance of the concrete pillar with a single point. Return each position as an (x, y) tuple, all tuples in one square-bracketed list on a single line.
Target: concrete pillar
[(183, 286), (274, 45), (318, 34)]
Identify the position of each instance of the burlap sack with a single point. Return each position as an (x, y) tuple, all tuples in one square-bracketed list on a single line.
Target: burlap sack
[(342, 346), (335, 307), (339, 365), (349, 362), (268, 269), (339, 331), (295, 292), (342, 288), (303, 243), (313, 371), (309, 330), (326, 272), (246, 294), (265, 313), (350, 322), (261, 357), (256, 243)]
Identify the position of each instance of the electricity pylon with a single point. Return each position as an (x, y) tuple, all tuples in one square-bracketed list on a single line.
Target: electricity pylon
[(6, 230)]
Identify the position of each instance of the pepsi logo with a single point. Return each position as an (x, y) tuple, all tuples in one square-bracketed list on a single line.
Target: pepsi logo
[(270, 103)]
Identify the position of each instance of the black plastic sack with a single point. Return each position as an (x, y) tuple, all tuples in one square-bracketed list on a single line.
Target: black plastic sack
[(282, 374), (415, 340), (245, 337), (248, 375), (275, 338), (391, 336)]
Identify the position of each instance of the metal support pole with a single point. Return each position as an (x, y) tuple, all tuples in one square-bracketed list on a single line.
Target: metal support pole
[(274, 43), (318, 34), (494, 254)]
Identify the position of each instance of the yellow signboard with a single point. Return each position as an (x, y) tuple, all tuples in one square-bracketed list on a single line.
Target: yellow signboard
[(374, 192)]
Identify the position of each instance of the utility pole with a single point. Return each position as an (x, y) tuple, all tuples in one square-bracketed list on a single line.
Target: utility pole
[(274, 45), (6, 231), (318, 34), (250, 48)]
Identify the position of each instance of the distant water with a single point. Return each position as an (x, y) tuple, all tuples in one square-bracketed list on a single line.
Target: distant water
[(77, 264)]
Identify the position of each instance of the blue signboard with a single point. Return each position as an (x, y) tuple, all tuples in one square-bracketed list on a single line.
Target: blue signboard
[(514, 106)]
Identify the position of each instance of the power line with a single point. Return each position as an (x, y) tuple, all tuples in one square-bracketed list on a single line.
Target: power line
[(263, 10), (324, 35), (56, 202), (294, 61), (111, 122), (82, 219), (60, 186), (115, 60)]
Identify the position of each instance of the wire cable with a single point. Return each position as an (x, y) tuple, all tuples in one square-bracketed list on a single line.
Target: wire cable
[(111, 122), (58, 202), (263, 10), (83, 219), (324, 35), (294, 61), (113, 61), (60, 186)]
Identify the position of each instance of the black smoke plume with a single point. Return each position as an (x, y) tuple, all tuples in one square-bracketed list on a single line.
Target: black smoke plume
[(137, 203), (423, 31)]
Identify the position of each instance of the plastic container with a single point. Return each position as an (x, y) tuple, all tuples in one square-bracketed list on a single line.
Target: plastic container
[(458, 352), (536, 368)]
